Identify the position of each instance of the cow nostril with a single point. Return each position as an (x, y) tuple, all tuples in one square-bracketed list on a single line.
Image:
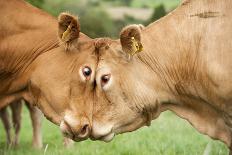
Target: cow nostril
[(84, 132), (75, 127)]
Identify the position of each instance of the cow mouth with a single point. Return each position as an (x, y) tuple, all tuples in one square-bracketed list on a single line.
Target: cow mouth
[(66, 131), (106, 138), (102, 133)]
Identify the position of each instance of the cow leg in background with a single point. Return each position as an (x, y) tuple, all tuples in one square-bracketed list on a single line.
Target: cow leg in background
[(16, 108), (230, 153), (68, 142), (6, 123), (36, 120)]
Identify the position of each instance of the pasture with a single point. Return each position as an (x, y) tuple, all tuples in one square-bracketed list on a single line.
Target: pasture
[(168, 135)]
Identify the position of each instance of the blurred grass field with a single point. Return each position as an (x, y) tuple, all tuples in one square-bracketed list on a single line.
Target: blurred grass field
[(168, 135), (168, 4)]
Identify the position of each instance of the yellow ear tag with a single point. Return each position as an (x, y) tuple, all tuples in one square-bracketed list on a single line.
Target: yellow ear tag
[(136, 46), (65, 36)]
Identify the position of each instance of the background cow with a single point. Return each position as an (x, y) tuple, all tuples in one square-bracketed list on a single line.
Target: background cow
[(16, 118), (36, 118)]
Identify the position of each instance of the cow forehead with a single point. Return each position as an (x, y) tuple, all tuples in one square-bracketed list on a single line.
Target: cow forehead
[(104, 45), (96, 47), (101, 49)]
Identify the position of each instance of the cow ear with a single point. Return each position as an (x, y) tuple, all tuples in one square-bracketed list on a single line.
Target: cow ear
[(68, 29), (130, 38)]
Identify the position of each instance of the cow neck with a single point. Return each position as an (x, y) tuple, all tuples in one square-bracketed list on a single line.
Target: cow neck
[(26, 32), (173, 55)]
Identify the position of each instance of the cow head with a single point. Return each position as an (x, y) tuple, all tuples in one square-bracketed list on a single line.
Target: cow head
[(94, 87), (125, 96), (62, 80)]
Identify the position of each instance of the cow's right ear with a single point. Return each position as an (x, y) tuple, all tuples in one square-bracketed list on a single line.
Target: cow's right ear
[(130, 38), (68, 29)]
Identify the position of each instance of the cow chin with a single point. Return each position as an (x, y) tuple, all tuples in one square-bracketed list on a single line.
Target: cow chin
[(106, 138), (107, 132), (102, 132)]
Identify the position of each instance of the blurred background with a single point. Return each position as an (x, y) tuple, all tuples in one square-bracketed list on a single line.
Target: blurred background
[(168, 135), (102, 18)]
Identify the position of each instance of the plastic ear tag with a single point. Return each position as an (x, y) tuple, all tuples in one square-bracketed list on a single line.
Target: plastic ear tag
[(136, 46), (66, 33)]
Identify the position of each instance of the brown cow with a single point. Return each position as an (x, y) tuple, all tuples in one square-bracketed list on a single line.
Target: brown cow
[(179, 63), (50, 71)]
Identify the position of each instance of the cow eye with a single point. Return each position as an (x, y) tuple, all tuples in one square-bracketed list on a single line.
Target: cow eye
[(105, 79), (86, 71)]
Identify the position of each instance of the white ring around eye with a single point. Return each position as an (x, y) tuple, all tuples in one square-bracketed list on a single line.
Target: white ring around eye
[(83, 78), (108, 84), (101, 71)]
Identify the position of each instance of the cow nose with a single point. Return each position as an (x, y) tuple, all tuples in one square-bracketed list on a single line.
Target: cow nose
[(74, 129)]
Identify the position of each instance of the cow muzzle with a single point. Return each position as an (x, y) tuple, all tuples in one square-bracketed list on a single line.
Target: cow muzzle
[(74, 128)]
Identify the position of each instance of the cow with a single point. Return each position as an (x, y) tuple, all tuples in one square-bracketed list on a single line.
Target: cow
[(41, 60), (181, 63)]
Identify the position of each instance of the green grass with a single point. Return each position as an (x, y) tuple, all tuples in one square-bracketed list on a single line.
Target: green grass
[(168, 135)]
